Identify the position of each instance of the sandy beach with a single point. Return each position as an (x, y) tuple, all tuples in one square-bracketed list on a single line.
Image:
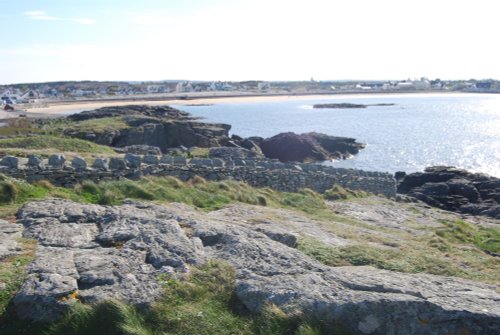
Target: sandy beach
[(63, 108)]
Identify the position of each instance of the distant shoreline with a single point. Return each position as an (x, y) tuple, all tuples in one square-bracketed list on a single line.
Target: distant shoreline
[(56, 108)]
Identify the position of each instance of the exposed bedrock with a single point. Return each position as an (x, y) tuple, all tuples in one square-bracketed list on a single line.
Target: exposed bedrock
[(163, 127), (91, 253), (454, 190)]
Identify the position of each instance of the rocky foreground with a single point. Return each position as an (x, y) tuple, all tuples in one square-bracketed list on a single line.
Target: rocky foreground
[(91, 252), (453, 189)]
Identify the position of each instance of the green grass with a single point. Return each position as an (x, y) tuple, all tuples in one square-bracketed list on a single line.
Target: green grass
[(13, 272), (487, 239), (401, 260), (52, 143), (339, 193), (18, 127), (408, 259), (199, 193), (59, 126), (202, 304), (100, 125)]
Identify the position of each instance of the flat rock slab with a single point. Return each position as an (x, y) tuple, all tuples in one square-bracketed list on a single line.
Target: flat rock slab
[(9, 234), (132, 244)]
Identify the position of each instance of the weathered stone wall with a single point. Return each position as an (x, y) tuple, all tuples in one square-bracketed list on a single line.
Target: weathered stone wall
[(259, 173)]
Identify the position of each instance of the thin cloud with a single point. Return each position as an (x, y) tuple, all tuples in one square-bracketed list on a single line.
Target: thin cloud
[(42, 15)]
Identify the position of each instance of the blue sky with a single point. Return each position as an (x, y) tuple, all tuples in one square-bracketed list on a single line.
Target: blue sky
[(242, 39)]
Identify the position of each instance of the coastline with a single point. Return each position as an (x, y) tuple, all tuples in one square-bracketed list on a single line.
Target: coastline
[(56, 108)]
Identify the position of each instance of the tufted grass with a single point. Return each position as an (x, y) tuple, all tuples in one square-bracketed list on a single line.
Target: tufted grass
[(21, 146), (459, 231), (203, 303), (199, 193)]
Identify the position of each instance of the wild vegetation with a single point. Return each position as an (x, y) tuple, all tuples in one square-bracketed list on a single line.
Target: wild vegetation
[(204, 302)]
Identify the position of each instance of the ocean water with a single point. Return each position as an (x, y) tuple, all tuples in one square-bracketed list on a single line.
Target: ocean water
[(420, 130)]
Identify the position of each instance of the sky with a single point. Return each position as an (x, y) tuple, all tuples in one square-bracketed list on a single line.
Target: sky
[(236, 40)]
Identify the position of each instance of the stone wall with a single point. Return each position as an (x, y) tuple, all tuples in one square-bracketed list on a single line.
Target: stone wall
[(259, 173)]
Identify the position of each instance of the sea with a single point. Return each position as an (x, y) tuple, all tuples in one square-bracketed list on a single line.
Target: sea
[(417, 131)]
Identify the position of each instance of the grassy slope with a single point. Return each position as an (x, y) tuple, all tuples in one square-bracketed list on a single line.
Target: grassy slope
[(456, 248), (29, 137)]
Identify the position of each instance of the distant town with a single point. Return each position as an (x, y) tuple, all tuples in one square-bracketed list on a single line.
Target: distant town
[(40, 94)]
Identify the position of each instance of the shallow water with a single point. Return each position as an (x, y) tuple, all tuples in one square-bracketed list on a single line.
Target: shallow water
[(420, 130)]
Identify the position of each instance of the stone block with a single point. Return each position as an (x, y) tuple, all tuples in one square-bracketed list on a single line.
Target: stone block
[(101, 164), (79, 163), (166, 159), (151, 159), (10, 161), (180, 161), (34, 161), (117, 164), (57, 161), (133, 161)]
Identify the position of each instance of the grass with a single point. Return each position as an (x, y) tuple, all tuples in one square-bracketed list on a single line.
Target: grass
[(427, 254), (202, 304), (198, 193), (13, 273), (101, 125), (18, 127), (48, 143), (339, 193), (60, 126), (486, 239)]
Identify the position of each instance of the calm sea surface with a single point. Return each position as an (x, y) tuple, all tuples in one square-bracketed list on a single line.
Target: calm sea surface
[(419, 130)]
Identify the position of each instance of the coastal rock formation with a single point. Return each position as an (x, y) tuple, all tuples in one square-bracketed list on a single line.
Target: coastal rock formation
[(347, 105), (90, 253), (163, 127), (454, 189), (309, 147)]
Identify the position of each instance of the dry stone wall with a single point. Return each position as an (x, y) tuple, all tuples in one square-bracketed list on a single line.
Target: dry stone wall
[(258, 172)]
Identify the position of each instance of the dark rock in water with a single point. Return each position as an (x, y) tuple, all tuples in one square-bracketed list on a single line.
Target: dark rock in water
[(117, 252), (309, 147), (349, 105), (252, 146), (339, 147), (339, 105), (454, 189), (163, 127)]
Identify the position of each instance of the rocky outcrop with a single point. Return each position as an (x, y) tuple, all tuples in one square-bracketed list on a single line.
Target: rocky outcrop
[(454, 189), (347, 105), (90, 253), (163, 127), (309, 147)]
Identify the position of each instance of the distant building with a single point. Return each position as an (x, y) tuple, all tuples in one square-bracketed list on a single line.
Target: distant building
[(484, 85)]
